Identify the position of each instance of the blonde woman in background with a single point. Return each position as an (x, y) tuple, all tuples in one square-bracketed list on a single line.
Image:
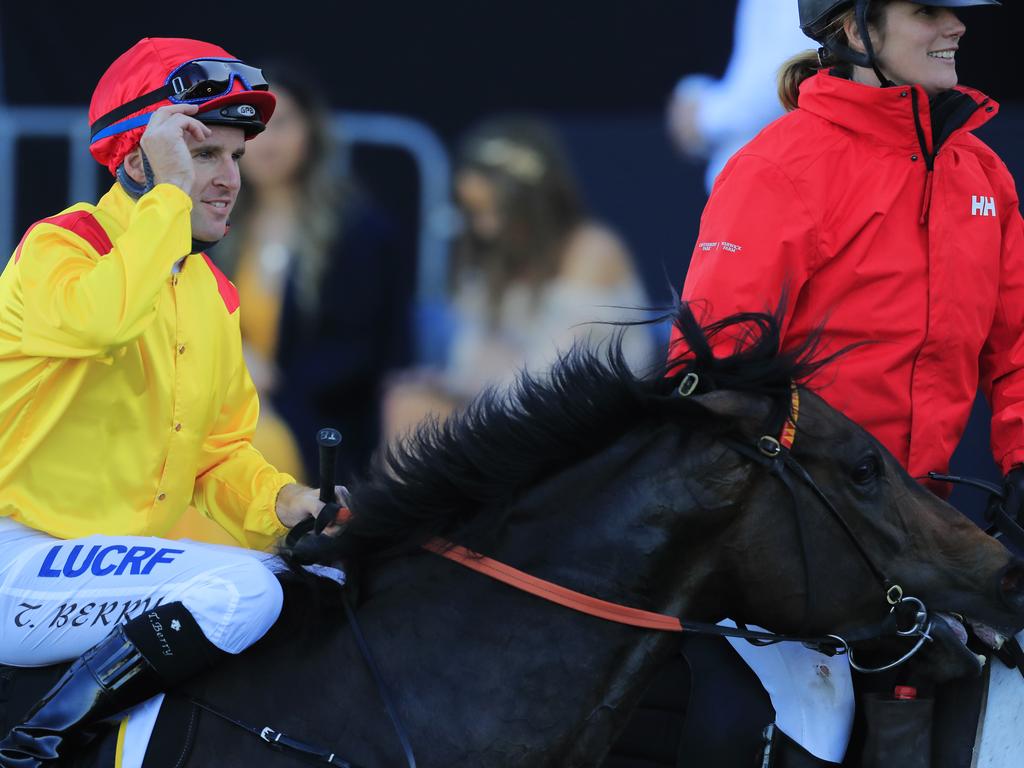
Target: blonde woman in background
[(530, 274)]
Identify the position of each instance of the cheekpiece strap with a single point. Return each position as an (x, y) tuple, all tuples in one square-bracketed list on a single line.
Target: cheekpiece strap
[(788, 435)]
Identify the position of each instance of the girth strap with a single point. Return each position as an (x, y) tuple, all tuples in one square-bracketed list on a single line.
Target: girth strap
[(278, 739)]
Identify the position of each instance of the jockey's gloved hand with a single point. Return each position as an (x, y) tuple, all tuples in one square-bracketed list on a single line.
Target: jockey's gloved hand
[(1013, 490)]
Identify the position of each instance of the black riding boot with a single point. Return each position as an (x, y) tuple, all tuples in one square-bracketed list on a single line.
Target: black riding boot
[(136, 661), (780, 751)]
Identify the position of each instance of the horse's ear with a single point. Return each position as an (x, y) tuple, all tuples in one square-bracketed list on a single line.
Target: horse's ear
[(742, 407)]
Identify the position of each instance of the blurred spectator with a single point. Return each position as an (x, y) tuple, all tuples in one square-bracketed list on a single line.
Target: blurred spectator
[(530, 273), (711, 119), (324, 286)]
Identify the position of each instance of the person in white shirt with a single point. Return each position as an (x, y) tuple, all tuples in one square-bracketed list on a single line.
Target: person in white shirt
[(710, 119)]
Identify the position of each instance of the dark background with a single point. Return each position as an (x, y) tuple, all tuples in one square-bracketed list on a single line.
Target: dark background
[(601, 70), (445, 62)]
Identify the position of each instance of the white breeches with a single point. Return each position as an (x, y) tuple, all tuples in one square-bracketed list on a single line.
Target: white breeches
[(58, 598)]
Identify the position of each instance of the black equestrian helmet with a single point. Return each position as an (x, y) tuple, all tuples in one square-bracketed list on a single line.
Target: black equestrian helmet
[(815, 14)]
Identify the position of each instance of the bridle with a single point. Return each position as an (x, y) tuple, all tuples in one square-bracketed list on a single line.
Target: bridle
[(774, 453)]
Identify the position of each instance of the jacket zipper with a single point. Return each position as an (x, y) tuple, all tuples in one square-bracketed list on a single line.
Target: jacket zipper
[(927, 154), (929, 162)]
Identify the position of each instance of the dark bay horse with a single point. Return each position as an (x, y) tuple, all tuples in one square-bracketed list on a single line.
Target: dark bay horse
[(620, 487)]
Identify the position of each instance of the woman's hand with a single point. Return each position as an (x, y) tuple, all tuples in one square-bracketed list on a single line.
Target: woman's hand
[(683, 128), (411, 398), (263, 372), (1013, 490)]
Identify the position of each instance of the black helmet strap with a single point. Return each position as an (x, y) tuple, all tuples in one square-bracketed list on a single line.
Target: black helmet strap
[(134, 188), (846, 53)]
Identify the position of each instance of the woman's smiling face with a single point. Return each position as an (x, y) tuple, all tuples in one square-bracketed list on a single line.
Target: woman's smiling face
[(917, 45)]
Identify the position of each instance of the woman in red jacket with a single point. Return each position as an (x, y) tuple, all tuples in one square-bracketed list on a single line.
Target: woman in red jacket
[(875, 209), (872, 208)]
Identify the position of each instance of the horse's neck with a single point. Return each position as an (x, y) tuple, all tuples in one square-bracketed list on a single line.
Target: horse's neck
[(514, 674), (482, 675), (490, 671), (488, 676)]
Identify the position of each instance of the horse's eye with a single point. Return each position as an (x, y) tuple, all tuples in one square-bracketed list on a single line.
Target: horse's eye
[(867, 469)]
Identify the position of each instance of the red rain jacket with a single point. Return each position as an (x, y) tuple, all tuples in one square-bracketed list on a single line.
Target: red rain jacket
[(836, 202)]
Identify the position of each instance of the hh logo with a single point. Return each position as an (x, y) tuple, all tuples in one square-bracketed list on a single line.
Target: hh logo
[(983, 206)]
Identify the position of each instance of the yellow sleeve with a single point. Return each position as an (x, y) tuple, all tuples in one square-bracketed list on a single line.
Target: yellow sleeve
[(78, 303), (235, 485)]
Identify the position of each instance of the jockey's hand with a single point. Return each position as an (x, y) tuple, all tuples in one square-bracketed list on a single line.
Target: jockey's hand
[(165, 143), (1013, 488), (297, 502)]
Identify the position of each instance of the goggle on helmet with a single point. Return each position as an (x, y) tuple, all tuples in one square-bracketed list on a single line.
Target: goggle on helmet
[(194, 82)]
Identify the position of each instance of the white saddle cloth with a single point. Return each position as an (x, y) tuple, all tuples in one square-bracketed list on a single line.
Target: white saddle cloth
[(812, 693)]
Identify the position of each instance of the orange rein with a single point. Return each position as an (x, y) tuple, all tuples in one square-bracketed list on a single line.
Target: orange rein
[(577, 601)]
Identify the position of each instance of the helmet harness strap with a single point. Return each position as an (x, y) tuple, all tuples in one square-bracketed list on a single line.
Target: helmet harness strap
[(867, 58), (869, 47), (137, 189)]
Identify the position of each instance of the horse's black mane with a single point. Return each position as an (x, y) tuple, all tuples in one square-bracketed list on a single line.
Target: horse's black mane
[(459, 478)]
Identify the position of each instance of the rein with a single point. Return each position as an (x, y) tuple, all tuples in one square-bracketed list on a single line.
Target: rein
[(1000, 524), (622, 614)]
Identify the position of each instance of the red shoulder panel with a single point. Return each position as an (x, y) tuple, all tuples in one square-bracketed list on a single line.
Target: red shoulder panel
[(228, 292), (82, 223)]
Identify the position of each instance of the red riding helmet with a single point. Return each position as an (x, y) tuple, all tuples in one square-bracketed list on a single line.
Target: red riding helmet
[(158, 71)]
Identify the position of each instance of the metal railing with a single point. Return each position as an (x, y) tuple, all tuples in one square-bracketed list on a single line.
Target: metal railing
[(350, 128)]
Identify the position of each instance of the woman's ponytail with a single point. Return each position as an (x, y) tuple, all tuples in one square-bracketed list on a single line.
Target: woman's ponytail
[(793, 73), (809, 63)]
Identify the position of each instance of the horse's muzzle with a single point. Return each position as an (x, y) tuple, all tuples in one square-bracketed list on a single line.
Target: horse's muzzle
[(1011, 586)]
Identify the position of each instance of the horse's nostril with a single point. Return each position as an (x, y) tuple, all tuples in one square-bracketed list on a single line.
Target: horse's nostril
[(1011, 585)]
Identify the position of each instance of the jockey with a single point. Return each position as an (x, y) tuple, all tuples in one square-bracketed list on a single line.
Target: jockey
[(124, 398), (875, 211)]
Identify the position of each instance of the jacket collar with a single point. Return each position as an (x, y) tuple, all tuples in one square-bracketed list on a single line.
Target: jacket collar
[(886, 114), (118, 205)]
